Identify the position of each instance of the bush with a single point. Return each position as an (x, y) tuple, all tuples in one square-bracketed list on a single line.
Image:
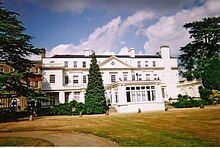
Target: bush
[(71, 108), (187, 102), (9, 113)]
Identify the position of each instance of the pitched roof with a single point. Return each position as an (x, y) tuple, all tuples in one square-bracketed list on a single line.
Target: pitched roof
[(105, 56)]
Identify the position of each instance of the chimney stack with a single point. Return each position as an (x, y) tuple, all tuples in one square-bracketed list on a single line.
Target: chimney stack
[(165, 52), (86, 52)]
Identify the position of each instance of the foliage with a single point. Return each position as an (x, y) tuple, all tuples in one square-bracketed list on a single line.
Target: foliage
[(71, 108), (95, 101), (15, 44), (211, 74), (9, 114), (205, 36), (215, 94), (187, 102), (205, 93)]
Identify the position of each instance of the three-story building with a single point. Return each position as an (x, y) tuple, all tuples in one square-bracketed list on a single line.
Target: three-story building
[(131, 82)]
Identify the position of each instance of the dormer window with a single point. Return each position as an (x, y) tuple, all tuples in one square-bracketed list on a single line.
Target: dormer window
[(146, 63), (138, 63), (66, 64), (84, 64), (154, 63), (75, 64)]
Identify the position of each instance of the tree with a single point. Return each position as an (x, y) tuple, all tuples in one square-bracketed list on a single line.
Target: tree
[(95, 101), (205, 45), (211, 74), (15, 46)]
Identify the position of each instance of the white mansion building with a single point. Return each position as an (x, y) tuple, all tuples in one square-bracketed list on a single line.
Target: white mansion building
[(131, 82)]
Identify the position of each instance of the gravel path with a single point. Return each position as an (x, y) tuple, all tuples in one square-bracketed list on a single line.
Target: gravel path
[(64, 138)]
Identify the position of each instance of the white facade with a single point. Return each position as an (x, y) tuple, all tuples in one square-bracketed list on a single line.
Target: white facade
[(131, 82)]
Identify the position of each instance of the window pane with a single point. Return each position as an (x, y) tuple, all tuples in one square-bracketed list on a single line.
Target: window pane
[(137, 88), (127, 88), (66, 80), (138, 96), (84, 64), (153, 95), (148, 95), (154, 63), (52, 78), (128, 96), (143, 96), (84, 79), (66, 64), (132, 88), (75, 64), (133, 77), (133, 96), (116, 97), (113, 78), (75, 79)]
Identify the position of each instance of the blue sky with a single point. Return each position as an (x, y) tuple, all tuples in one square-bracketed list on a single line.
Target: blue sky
[(110, 27)]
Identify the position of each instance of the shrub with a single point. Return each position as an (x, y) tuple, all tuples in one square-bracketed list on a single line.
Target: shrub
[(71, 108), (187, 102)]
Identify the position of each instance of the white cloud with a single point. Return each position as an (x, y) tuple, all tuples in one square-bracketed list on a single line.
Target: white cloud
[(124, 51), (169, 29), (104, 39)]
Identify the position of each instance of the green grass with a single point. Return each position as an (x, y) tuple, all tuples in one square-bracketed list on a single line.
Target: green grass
[(191, 127), (23, 141)]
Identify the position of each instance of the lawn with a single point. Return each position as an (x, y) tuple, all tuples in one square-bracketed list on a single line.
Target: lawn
[(183, 127), (23, 141)]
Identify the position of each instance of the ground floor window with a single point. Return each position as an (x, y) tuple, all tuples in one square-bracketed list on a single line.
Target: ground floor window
[(140, 93), (67, 97), (76, 96)]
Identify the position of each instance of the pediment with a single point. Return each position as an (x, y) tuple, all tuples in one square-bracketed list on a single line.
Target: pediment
[(114, 62)]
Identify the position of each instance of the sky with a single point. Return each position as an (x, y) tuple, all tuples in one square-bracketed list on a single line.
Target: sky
[(110, 26)]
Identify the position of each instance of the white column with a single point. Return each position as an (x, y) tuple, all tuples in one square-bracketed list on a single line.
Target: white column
[(113, 96), (71, 96), (61, 97), (121, 93), (82, 96), (158, 92)]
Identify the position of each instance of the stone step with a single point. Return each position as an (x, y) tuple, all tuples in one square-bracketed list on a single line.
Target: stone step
[(112, 110)]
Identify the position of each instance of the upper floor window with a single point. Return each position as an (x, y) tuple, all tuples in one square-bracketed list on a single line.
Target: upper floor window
[(65, 63), (154, 63), (84, 78), (51, 61), (84, 64), (139, 63), (75, 79), (52, 78), (66, 79), (133, 77), (113, 78), (146, 63), (147, 76), (125, 75), (155, 77), (75, 64), (139, 77)]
